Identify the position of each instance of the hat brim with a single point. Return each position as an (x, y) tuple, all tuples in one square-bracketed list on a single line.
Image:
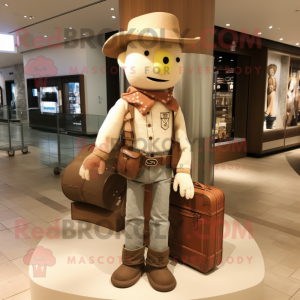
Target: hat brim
[(117, 43)]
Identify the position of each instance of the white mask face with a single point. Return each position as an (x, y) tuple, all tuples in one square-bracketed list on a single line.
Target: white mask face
[(156, 67)]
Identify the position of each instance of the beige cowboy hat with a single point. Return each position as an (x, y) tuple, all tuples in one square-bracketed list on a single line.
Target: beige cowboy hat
[(270, 67), (157, 26)]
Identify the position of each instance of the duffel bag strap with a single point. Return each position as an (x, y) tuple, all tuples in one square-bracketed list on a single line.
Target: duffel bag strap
[(80, 189)]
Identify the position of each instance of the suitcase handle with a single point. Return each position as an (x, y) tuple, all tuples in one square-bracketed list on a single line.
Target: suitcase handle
[(201, 186)]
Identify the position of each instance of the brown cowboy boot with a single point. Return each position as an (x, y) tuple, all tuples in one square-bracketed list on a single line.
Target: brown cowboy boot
[(131, 270), (159, 276)]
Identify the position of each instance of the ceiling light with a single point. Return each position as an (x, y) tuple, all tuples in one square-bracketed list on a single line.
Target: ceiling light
[(297, 44), (25, 16), (113, 17), (70, 27), (30, 18), (271, 27), (84, 34), (232, 60), (227, 24), (219, 60), (6, 4), (278, 27), (45, 36), (281, 39), (259, 33), (65, 38), (112, 8)]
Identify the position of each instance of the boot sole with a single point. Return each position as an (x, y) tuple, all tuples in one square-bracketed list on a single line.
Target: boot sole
[(162, 288), (126, 284)]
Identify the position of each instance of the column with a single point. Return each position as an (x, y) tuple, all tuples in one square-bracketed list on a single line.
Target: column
[(20, 91)]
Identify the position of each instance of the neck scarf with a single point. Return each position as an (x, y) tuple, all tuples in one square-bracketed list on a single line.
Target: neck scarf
[(144, 100)]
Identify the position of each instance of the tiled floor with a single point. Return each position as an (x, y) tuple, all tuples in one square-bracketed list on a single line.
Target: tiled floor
[(265, 191), (29, 193)]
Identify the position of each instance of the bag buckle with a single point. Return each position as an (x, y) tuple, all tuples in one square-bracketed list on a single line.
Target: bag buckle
[(151, 162)]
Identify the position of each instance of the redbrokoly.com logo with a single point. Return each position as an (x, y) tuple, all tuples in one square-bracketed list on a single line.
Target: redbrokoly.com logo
[(40, 259)]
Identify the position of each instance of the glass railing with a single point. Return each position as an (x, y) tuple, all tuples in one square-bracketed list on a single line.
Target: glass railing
[(56, 138)]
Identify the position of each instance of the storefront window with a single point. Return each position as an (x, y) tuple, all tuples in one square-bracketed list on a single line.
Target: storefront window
[(276, 90), (49, 102), (293, 94), (74, 97), (225, 89)]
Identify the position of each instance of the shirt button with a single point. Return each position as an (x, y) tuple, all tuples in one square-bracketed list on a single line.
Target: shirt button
[(149, 125), (150, 138)]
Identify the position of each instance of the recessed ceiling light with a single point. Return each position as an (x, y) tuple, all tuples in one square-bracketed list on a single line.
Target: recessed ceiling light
[(70, 27), (232, 60), (281, 39), (227, 24), (112, 8), (65, 38), (259, 33), (25, 16), (83, 33), (271, 27), (297, 44), (220, 57), (219, 60), (113, 17), (6, 4)]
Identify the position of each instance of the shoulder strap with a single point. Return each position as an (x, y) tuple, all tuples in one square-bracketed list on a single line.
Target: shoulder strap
[(128, 134), (173, 127)]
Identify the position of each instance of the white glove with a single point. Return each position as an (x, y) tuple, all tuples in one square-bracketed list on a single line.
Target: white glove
[(185, 182)]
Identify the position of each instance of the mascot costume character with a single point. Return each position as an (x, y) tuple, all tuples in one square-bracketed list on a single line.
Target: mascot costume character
[(150, 53)]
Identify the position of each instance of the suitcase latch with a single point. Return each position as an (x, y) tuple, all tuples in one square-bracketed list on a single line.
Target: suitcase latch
[(196, 217)]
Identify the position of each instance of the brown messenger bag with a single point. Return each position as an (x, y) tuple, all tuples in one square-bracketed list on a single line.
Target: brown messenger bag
[(129, 162)]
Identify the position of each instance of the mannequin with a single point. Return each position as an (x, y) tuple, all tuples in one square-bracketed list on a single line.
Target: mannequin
[(291, 111), (150, 53), (271, 90)]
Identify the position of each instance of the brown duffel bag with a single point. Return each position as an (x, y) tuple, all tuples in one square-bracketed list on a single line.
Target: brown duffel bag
[(112, 219), (106, 191), (196, 226)]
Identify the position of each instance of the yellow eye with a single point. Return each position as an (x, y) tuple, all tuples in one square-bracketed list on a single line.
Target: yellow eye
[(163, 62)]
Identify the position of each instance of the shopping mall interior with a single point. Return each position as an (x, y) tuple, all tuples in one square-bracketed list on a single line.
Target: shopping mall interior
[(70, 73)]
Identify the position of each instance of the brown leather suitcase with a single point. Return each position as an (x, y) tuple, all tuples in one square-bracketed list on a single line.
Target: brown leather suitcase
[(106, 191), (196, 226), (113, 220)]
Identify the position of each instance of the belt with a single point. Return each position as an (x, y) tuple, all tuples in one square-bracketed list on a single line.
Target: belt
[(162, 160)]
